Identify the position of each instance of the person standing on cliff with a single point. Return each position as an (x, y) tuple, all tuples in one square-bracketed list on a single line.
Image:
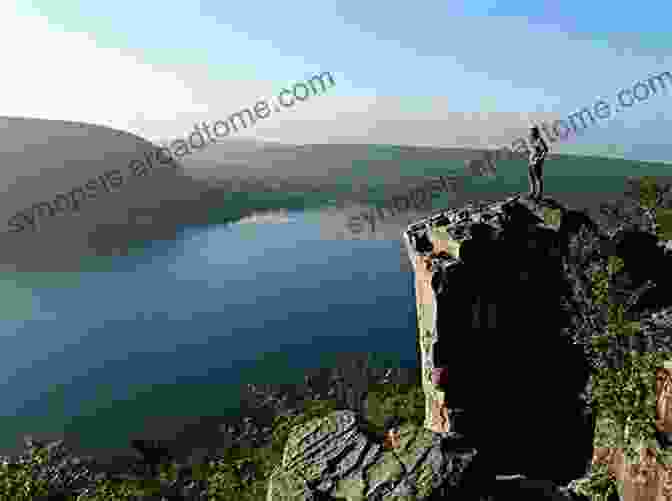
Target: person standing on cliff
[(535, 168)]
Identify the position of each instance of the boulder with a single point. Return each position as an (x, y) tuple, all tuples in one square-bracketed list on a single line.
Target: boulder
[(334, 458)]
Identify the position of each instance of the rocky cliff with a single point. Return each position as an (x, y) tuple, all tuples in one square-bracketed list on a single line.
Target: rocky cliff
[(489, 279), (504, 388), (489, 283)]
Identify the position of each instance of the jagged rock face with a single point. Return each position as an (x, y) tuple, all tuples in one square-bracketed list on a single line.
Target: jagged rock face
[(489, 311), (332, 458)]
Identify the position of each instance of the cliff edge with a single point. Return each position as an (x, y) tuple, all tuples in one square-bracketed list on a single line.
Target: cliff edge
[(480, 271)]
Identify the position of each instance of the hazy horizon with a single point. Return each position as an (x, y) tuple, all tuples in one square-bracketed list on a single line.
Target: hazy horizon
[(422, 77)]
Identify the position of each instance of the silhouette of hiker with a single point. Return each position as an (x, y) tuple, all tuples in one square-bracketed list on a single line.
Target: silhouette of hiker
[(537, 156)]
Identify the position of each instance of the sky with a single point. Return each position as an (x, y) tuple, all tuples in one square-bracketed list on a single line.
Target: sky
[(430, 73)]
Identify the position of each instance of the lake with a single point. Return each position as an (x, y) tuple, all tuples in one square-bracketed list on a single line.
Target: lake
[(170, 335)]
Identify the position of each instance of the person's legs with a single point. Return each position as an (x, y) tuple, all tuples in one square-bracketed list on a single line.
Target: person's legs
[(531, 176), (538, 174)]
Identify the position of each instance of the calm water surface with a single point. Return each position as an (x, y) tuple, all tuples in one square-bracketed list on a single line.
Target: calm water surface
[(171, 334)]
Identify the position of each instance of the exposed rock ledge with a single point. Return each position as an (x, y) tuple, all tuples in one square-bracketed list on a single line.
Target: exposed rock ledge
[(334, 458)]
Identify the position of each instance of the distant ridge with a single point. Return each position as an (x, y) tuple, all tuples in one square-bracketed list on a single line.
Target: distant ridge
[(71, 123), (222, 183)]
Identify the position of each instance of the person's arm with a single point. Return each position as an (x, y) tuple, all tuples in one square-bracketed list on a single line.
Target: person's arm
[(540, 150), (534, 153)]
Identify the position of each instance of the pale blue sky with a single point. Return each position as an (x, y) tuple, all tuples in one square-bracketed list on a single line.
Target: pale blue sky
[(404, 72)]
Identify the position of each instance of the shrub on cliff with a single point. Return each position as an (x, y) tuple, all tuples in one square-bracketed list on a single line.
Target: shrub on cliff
[(51, 472), (44, 469), (404, 401), (647, 206)]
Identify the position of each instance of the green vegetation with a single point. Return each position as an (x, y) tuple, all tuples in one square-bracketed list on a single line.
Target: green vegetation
[(17, 483), (622, 389), (664, 220), (651, 198), (404, 401), (624, 397), (552, 216), (225, 476)]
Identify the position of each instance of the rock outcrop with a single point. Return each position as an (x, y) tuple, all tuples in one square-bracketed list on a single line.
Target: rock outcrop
[(334, 458), (503, 384), (489, 280)]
